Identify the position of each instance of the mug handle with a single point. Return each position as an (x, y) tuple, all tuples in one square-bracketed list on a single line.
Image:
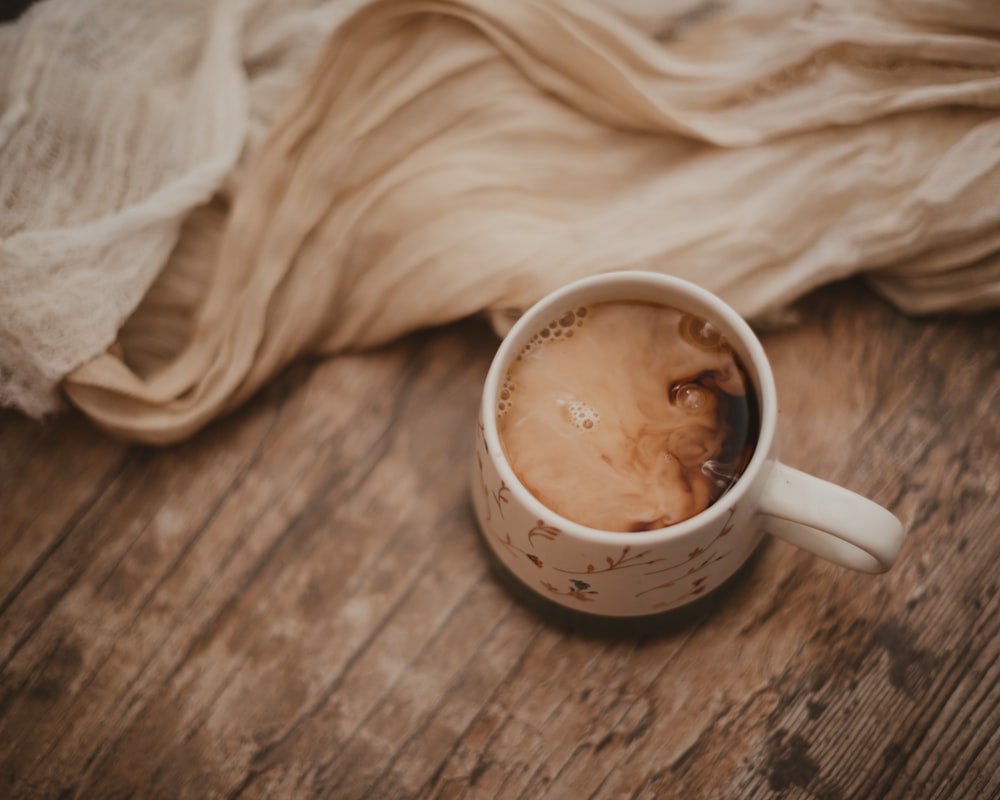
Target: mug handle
[(829, 520)]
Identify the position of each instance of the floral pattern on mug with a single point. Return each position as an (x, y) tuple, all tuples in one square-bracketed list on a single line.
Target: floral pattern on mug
[(548, 532), (624, 561), (513, 548), (578, 590)]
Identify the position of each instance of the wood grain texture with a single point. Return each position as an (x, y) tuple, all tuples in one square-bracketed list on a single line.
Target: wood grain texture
[(295, 604)]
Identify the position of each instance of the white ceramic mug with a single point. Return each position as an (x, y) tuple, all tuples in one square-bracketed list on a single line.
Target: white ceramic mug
[(635, 574)]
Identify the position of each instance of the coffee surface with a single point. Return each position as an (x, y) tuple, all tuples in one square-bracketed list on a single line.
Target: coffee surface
[(627, 416)]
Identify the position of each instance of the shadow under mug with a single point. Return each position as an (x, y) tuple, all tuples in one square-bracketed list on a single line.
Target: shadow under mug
[(636, 574)]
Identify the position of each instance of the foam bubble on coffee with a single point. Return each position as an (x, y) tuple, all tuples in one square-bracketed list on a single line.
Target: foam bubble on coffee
[(626, 416)]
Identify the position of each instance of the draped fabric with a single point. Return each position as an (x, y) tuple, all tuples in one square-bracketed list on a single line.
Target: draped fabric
[(451, 157), (119, 120)]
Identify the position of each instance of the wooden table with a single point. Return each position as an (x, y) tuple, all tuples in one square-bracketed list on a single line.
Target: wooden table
[(296, 603)]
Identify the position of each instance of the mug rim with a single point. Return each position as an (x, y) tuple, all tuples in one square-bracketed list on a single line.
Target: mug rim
[(747, 343)]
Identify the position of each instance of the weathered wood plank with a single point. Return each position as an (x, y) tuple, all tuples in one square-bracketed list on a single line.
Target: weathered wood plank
[(295, 603)]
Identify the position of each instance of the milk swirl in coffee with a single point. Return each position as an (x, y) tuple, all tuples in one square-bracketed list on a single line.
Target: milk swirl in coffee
[(627, 416)]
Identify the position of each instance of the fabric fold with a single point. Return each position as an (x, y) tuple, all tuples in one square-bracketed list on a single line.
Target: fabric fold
[(452, 157)]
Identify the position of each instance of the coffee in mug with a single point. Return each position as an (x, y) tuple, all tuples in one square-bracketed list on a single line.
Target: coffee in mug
[(626, 456), (627, 416)]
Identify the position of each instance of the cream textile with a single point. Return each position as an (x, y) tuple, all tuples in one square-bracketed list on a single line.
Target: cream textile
[(117, 118), (445, 158)]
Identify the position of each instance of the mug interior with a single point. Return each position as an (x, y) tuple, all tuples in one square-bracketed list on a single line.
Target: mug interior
[(650, 287)]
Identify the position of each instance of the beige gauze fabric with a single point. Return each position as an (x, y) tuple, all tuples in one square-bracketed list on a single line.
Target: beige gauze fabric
[(117, 119), (453, 157)]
